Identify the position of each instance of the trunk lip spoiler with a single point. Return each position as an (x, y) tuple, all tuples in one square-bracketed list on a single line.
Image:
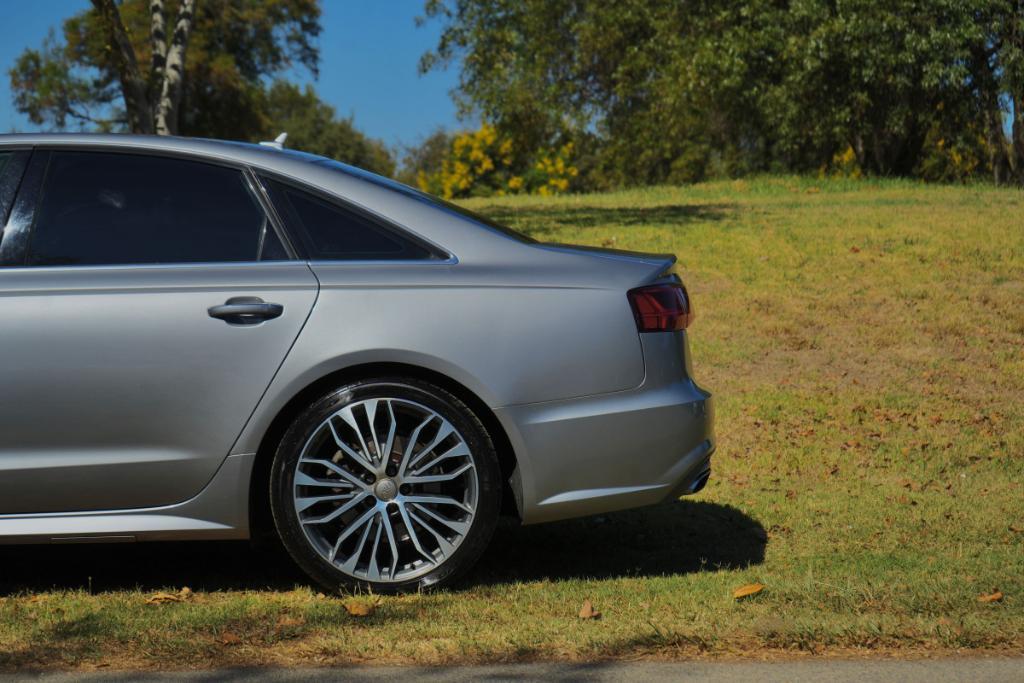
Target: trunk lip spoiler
[(609, 252)]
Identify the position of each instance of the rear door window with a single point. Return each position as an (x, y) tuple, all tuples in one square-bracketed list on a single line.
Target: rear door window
[(331, 232), (100, 208)]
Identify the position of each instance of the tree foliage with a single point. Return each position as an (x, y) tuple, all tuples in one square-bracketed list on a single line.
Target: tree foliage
[(235, 48), (313, 126), (656, 90), (75, 79)]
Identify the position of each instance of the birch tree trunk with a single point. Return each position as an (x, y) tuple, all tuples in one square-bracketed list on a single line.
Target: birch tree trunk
[(158, 40), (174, 71), (151, 104)]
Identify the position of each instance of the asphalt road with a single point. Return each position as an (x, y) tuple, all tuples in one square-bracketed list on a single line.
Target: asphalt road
[(974, 670)]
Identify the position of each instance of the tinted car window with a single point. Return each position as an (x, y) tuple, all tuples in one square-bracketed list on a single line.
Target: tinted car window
[(331, 232), (410, 192), (102, 208)]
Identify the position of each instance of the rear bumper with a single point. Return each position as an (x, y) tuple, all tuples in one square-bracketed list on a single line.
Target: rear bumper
[(614, 451)]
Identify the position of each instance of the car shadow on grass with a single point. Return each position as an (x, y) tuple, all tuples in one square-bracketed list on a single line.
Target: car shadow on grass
[(672, 538), (544, 222), (100, 568), (676, 537)]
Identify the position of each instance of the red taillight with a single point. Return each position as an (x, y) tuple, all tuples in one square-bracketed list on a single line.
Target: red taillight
[(661, 308)]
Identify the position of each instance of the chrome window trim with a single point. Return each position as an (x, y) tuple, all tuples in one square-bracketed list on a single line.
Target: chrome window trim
[(450, 261), (194, 265), (260, 192)]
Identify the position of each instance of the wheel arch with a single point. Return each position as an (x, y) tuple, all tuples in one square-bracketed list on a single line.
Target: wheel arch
[(261, 523)]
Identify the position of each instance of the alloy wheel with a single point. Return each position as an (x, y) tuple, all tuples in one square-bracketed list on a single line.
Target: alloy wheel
[(385, 489)]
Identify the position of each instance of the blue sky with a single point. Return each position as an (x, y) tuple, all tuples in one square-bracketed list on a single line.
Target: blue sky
[(368, 55)]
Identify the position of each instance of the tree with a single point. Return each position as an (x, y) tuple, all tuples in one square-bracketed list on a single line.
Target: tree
[(150, 103), (91, 75), (657, 90), (314, 127)]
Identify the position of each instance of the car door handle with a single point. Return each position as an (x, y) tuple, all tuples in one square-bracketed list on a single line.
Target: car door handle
[(245, 310)]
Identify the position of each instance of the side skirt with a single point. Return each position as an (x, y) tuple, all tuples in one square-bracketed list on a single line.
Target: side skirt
[(220, 511)]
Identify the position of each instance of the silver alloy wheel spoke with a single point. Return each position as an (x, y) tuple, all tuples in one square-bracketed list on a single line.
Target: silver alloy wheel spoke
[(302, 504), (389, 445), (391, 541), (443, 543), (438, 500), (374, 569), (412, 535), (347, 476), (442, 433), (379, 519), (355, 526), (460, 451), (337, 512), (303, 479), (349, 417), (358, 457), (371, 416), (350, 564), (429, 478), (460, 527), (413, 438)]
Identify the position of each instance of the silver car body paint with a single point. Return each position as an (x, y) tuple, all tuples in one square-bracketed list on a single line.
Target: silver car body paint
[(127, 412)]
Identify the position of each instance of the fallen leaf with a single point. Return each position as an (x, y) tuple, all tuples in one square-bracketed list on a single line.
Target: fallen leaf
[(161, 598), (229, 638), (588, 611), (854, 250), (991, 597), (748, 590), (360, 608)]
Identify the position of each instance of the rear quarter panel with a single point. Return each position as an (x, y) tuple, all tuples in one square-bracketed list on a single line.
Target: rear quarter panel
[(508, 341)]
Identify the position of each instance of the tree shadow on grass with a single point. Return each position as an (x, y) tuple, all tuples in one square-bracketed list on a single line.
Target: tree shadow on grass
[(676, 537), (544, 222), (672, 538)]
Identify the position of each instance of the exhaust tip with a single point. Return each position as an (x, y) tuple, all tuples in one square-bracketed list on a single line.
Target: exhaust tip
[(699, 483)]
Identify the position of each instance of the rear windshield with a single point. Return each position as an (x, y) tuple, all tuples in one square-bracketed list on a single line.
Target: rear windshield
[(413, 193)]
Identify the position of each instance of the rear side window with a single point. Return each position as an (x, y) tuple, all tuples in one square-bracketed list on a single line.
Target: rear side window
[(108, 209), (334, 233)]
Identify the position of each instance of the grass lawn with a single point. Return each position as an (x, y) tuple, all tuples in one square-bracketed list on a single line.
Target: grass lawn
[(865, 343)]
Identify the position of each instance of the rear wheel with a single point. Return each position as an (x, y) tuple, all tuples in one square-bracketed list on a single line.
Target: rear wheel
[(391, 484)]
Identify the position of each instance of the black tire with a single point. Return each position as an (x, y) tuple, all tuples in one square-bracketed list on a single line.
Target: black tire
[(446, 405)]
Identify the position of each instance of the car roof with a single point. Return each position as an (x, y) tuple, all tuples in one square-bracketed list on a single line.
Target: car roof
[(260, 156), (415, 211)]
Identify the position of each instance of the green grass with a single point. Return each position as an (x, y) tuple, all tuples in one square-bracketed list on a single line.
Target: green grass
[(865, 343)]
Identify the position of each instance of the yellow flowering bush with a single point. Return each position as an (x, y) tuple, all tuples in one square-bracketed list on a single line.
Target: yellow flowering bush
[(555, 170), (956, 160), (843, 165), (484, 163)]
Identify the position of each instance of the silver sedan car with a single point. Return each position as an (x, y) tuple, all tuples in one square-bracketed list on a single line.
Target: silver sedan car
[(214, 340)]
